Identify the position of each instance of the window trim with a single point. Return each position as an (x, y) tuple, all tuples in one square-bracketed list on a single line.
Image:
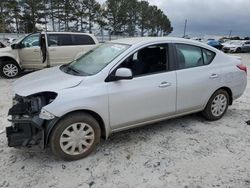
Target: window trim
[(171, 64), (201, 49)]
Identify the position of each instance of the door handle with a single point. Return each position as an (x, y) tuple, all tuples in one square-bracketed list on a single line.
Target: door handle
[(213, 76), (164, 84)]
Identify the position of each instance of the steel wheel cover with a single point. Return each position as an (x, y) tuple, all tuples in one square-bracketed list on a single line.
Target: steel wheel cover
[(77, 138), (219, 105)]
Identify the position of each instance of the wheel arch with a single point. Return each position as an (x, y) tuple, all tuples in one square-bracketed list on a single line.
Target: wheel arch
[(4, 58), (229, 92), (51, 125)]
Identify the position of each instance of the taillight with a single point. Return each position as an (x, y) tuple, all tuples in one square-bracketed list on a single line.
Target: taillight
[(243, 68)]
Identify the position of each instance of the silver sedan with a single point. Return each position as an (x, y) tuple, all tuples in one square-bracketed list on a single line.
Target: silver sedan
[(121, 85)]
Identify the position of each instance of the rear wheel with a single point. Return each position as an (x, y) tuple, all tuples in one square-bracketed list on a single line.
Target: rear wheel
[(75, 136), (9, 69), (216, 106)]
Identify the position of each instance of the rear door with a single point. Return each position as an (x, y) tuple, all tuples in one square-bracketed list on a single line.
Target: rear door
[(64, 48), (82, 43), (60, 49), (197, 78)]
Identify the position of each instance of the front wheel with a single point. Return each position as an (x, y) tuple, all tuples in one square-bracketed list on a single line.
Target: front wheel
[(9, 69), (75, 136), (216, 106), (238, 50)]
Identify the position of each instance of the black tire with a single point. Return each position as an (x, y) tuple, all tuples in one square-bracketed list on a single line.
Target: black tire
[(207, 112), (238, 50), (11, 64), (65, 124)]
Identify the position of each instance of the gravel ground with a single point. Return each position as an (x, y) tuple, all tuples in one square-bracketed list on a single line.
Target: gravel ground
[(183, 152)]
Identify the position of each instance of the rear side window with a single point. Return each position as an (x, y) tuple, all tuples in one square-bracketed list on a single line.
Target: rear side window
[(193, 56), (208, 56), (82, 40), (59, 40)]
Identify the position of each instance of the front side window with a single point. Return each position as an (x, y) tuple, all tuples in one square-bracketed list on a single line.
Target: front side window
[(30, 41), (95, 60), (150, 60)]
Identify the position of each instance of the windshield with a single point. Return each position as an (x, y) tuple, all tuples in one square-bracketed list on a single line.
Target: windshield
[(95, 60)]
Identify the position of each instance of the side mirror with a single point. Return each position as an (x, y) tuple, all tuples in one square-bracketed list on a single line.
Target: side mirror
[(16, 46), (123, 74)]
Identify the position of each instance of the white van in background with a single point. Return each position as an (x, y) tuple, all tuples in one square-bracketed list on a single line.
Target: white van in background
[(45, 49)]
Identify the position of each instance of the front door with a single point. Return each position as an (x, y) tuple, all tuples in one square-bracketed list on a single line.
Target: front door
[(30, 53), (150, 95)]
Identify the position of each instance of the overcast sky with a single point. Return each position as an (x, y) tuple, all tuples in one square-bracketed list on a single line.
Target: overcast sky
[(207, 17)]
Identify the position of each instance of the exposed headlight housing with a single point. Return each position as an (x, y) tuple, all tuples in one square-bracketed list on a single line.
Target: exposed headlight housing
[(44, 114)]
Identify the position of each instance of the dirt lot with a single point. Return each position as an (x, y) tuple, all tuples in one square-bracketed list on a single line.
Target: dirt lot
[(184, 152)]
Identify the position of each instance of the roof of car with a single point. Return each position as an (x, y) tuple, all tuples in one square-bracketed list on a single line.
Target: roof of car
[(57, 32), (145, 40), (135, 40)]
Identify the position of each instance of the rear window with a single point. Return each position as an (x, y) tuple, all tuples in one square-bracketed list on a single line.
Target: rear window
[(59, 40), (82, 40)]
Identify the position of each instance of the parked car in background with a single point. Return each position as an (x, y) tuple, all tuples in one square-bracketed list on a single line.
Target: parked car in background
[(236, 46), (214, 43), (46, 49), (2, 45), (120, 85)]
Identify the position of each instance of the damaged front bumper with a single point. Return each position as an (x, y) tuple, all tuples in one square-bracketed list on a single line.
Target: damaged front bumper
[(27, 127), (25, 132), (28, 132)]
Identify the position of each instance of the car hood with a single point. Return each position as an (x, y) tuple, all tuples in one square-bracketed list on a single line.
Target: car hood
[(50, 79), (5, 49)]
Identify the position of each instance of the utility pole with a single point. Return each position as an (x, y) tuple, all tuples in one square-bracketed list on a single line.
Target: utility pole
[(185, 28), (230, 34)]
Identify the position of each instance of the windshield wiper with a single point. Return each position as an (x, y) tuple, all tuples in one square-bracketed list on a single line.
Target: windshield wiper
[(69, 68)]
